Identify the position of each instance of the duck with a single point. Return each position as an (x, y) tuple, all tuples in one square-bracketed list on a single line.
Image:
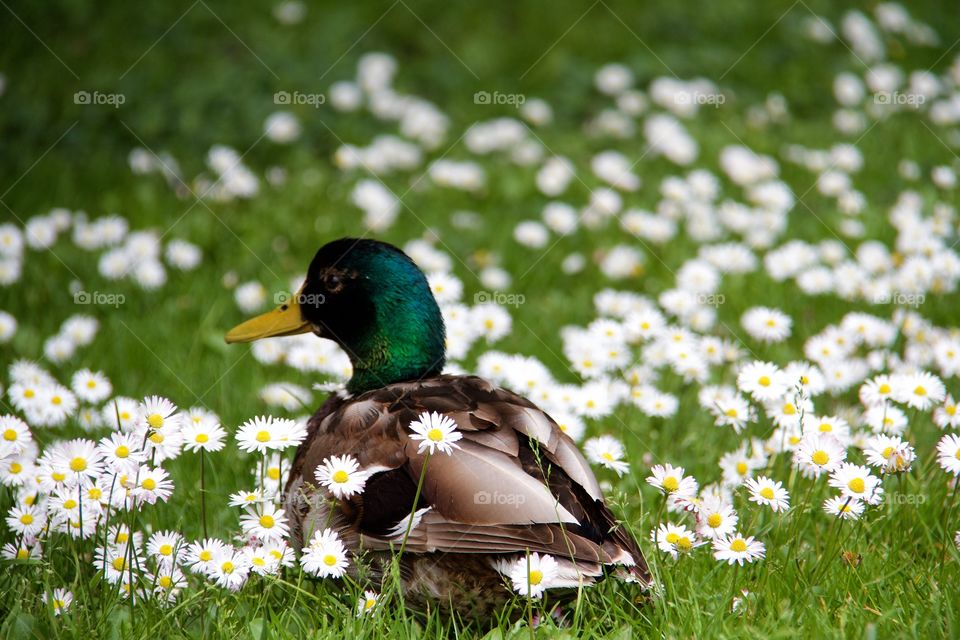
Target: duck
[(515, 484)]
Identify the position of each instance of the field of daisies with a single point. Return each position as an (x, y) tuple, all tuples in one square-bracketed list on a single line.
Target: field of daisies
[(718, 244)]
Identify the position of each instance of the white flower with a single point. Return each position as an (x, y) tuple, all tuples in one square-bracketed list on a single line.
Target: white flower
[(767, 325), (367, 604), (342, 476), (435, 431), (768, 492), (845, 507), (282, 127), (263, 433), (325, 556), (675, 539), (819, 453), (737, 548), (855, 481), (948, 453), (672, 482), (265, 522), (533, 574), (608, 452), (60, 600)]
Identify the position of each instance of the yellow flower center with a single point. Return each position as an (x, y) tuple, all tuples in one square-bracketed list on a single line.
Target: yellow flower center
[(263, 436), (436, 435), (155, 420), (78, 464), (820, 457), (156, 437), (672, 537), (884, 388), (731, 413), (714, 520), (329, 559), (742, 468), (122, 537), (273, 473), (369, 603), (684, 544), (16, 467), (57, 400), (59, 604), (670, 484), (804, 380), (267, 521), (95, 493), (10, 435), (27, 519), (856, 485), (91, 384), (202, 438), (738, 545), (951, 409), (227, 567), (341, 476), (165, 581), (29, 393), (826, 427), (58, 476), (22, 554), (149, 484), (124, 415), (206, 555), (887, 452), (920, 391), (767, 493), (789, 409), (536, 576), (260, 562), (119, 563), (69, 503), (122, 451), (165, 549), (764, 381)]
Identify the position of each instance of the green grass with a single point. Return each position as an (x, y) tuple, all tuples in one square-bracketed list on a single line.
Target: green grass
[(210, 80)]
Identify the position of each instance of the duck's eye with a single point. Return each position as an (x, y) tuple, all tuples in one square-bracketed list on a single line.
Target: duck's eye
[(333, 282)]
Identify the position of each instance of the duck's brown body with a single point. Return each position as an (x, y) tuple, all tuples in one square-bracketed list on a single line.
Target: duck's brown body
[(516, 485)]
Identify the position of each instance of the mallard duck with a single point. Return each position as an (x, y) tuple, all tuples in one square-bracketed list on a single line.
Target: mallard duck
[(516, 484)]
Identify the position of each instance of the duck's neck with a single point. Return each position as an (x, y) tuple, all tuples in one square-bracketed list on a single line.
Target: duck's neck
[(404, 341)]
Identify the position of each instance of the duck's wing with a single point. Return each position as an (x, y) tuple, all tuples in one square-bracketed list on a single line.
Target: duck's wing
[(516, 483)]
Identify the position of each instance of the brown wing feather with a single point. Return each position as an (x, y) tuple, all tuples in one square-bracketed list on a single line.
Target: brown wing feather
[(517, 482)]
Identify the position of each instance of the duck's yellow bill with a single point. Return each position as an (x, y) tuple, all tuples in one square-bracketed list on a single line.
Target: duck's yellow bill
[(285, 320)]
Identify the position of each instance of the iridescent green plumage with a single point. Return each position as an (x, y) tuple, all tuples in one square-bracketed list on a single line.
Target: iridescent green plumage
[(373, 300)]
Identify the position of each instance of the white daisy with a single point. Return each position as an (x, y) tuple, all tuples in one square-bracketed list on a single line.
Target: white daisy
[(737, 548), (342, 476), (768, 492), (325, 556), (531, 575), (435, 431), (607, 451), (265, 522)]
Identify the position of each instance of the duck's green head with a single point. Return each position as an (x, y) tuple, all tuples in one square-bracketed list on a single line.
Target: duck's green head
[(372, 300)]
